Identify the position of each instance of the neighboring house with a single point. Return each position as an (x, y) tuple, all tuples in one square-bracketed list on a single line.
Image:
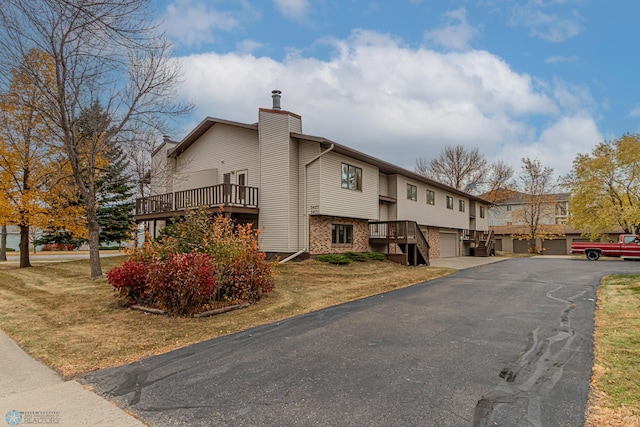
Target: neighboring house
[(308, 194), (13, 237), (505, 220)]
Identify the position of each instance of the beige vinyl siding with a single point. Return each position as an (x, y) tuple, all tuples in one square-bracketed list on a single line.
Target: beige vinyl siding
[(306, 152), (277, 197), (338, 201), (392, 188), (294, 206), (161, 172), (197, 179), (384, 184), (434, 215), (223, 149), (383, 211), (482, 223)]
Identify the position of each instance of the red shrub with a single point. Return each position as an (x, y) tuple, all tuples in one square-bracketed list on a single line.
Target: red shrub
[(129, 281), (183, 284)]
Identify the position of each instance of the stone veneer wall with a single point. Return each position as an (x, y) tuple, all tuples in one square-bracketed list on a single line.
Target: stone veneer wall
[(320, 235), (433, 237)]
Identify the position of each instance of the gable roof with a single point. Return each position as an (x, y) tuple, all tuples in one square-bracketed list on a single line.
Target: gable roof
[(384, 167), (513, 197), (200, 130)]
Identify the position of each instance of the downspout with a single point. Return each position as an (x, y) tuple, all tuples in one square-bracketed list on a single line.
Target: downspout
[(289, 258), (306, 213)]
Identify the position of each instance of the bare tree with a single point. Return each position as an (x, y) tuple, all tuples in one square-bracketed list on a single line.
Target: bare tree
[(538, 203), (500, 184), (458, 167), (466, 169), (103, 51)]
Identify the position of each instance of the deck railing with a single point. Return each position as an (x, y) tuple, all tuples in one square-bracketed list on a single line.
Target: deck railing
[(212, 196), (392, 229)]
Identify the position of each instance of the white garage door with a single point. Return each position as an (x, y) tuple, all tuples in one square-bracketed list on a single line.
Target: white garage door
[(448, 244)]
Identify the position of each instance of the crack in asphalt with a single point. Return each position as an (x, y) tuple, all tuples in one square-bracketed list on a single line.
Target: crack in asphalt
[(545, 365)]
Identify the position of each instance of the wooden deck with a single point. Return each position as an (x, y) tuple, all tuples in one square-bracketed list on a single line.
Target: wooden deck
[(407, 235), (230, 198)]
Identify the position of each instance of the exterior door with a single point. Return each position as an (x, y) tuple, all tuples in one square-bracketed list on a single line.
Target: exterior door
[(241, 180)]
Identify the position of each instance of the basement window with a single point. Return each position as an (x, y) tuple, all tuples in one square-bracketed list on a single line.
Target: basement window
[(341, 234)]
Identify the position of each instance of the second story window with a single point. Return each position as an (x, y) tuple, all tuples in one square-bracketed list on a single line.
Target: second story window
[(481, 211), (508, 208), (461, 205), (431, 197), (412, 192), (449, 202), (351, 177)]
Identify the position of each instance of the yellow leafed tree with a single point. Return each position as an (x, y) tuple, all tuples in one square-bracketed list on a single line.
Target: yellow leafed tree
[(34, 175), (605, 188)]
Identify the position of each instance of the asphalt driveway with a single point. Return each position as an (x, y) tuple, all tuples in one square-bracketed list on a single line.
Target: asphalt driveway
[(508, 344)]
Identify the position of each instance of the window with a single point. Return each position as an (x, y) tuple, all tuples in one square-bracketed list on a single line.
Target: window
[(412, 192), (449, 202), (351, 177), (341, 234), (461, 205), (431, 197), (561, 209), (508, 208), (481, 211)]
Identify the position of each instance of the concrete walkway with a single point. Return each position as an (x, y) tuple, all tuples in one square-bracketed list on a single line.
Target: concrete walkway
[(464, 262), (33, 394)]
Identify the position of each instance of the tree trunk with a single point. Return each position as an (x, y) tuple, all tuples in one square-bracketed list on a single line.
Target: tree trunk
[(24, 246), (94, 242), (3, 243)]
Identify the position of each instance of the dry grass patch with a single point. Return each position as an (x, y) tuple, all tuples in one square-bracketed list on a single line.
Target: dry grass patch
[(75, 325), (615, 386)]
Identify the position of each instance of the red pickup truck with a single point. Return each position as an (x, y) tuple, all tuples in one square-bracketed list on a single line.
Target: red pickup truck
[(628, 247)]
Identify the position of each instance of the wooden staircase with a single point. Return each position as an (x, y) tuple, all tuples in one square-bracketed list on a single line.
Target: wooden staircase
[(406, 235), (484, 244)]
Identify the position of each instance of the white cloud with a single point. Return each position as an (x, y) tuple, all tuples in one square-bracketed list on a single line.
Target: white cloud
[(248, 46), (635, 112), (546, 26), (398, 103), (195, 22), (295, 9), (561, 59), (192, 22), (558, 144), (455, 33)]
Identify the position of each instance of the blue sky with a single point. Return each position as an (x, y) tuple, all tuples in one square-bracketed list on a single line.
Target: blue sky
[(401, 79)]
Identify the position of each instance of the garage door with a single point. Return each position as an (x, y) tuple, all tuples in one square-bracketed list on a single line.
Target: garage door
[(499, 245), (448, 244), (520, 246), (555, 247)]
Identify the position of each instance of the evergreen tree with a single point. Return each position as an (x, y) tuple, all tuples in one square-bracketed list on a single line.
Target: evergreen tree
[(115, 199)]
